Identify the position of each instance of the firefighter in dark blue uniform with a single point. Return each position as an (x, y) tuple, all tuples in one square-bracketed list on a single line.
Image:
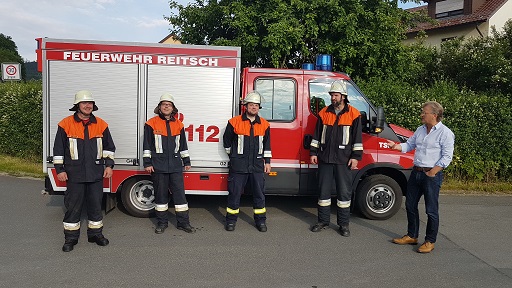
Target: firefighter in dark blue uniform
[(336, 148), (165, 154), (247, 142), (83, 156)]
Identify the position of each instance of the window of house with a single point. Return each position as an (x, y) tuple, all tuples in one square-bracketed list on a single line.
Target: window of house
[(449, 8), (278, 102)]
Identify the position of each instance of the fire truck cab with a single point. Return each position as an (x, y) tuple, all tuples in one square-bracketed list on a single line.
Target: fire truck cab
[(208, 84)]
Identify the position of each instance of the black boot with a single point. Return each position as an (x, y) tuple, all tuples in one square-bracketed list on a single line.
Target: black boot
[(69, 244), (99, 239)]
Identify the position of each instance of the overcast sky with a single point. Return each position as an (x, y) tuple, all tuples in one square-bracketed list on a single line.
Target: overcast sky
[(116, 20)]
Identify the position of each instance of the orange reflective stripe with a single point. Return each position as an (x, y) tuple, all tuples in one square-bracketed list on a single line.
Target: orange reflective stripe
[(242, 127), (160, 128), (75, 129), (346, 118)]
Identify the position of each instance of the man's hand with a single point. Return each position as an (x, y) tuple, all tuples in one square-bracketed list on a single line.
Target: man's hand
[(187, 168), (267, 167), (108, 172), (149, 169), (62, 176), (394, 146), (313, 159), (352, 164)]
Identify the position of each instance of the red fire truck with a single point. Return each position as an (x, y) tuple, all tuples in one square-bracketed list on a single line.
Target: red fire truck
[(208, 82)]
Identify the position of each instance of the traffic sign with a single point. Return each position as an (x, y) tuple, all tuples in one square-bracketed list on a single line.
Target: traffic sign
[(11, 71)]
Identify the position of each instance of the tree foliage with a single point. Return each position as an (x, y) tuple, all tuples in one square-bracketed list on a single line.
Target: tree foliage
[(362, 36), (9, 53)]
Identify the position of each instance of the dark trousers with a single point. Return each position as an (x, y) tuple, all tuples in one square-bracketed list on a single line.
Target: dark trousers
[(343, 182), (173, 182), (76, 194), (236, 185), (420, 184)]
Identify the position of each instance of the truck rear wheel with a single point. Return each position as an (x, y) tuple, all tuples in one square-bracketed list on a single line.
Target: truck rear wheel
[(379, 197), (138, 197)]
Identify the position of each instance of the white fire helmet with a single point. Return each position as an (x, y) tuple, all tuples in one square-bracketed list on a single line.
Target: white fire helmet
[(167, 97), (252, 97), (83, 96), (339, 86)]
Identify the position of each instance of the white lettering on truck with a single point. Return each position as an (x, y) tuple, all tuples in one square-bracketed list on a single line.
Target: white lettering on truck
[(140, 58)]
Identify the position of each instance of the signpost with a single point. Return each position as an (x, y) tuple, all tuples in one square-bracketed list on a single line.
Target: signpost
[(11, 71)]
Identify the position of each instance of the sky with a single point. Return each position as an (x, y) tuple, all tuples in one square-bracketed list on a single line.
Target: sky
[(115, 20)]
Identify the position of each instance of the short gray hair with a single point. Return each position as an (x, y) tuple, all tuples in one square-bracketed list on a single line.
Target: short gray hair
[(436, 109)]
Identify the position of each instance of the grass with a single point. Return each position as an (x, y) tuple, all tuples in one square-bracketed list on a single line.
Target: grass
[(20, 167), (33, 168)]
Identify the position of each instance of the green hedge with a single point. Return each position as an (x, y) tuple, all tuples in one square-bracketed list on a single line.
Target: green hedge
[(21, 124), (481, 122)]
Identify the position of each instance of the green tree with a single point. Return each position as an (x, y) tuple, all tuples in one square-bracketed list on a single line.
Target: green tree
[(362, 36), (9, 53)]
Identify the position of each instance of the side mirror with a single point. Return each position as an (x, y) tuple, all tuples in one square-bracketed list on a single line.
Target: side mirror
[(364, 121), (379, 120)]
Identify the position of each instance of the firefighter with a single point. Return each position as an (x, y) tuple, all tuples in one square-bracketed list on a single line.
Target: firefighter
[(336, 147), (165, 154), (247, 142), (83, 156)]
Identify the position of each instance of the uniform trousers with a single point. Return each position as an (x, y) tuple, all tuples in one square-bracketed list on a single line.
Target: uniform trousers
[(343, 181), (173, 183), (236, 186), (76, 194)]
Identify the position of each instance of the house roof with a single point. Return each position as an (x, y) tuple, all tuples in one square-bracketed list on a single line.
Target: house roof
[(481, 15)]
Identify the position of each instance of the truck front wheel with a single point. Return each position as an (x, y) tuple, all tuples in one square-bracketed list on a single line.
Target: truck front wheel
[(138, 197), (378, 197)]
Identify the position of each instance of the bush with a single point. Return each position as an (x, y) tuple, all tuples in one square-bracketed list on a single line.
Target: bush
[(480, 121), (21, 126)]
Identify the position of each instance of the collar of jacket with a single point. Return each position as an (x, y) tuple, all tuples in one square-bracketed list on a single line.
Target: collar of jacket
[(163, 117), (92, 119), (330, 108), (256, 120)]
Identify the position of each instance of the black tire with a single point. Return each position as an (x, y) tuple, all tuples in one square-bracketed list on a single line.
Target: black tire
[(378, 197), (138, 196)]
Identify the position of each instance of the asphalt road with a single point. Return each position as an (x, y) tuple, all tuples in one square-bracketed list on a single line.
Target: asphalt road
[(473, 248)]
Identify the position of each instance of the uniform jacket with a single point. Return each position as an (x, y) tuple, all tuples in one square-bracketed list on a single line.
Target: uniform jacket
[(83, 151), (165, 145), (337, 138), (247, 144)]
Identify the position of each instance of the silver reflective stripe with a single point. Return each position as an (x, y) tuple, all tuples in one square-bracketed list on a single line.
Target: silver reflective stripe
[(108, 154), (346, 135), (161, 207), (184, 154), (322, 139), (158, 144), (58, 159), (71, 226), (99, 147), (146, 153), (181, 208), (95, 224), (177, 146), (324, 202), (73, 148), (228, 150), (240, 147), (343, 204), (315, 143), (267, 154), (260, 144), (357, 147)]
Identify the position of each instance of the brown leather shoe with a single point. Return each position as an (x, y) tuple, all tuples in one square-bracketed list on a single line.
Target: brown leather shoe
[(405, 240), (426, 247)]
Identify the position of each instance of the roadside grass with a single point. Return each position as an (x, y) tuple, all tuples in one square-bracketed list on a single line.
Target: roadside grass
[(33, 168), (21, 167)]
